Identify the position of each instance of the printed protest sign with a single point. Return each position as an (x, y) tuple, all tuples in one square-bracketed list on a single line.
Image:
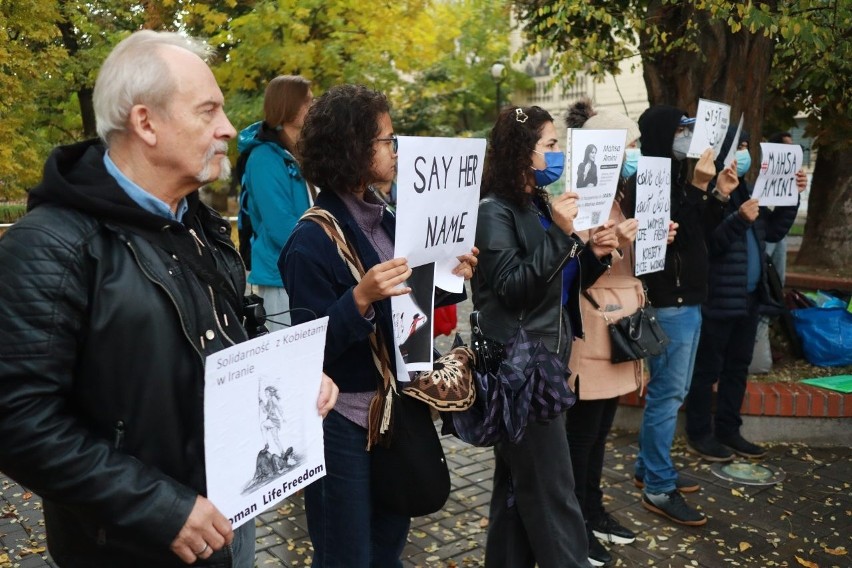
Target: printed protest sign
[(413, 320), (263, 438), (711, 125), (653, 211), (776, 184), (438, 183), (595, 165)]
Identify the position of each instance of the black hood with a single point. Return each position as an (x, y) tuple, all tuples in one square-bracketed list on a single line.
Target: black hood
[(75, 178), (658, 125)]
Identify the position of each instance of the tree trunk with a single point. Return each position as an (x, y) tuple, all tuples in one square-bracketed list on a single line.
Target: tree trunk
[(828, 240), (87, 112), (729, 68)]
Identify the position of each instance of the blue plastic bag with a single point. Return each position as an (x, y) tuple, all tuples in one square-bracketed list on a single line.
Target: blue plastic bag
[(826, 335)]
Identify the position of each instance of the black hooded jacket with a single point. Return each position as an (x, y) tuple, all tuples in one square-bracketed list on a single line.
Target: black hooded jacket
[(683, 282), (728, 250), (108, 314)]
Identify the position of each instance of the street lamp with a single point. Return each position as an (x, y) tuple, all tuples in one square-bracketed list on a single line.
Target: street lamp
[(498, 73)]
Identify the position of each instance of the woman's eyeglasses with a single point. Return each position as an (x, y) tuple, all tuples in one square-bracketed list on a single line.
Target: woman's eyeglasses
[(393, 140)]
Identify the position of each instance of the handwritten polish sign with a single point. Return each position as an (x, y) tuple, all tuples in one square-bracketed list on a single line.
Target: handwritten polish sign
[(653, 211)]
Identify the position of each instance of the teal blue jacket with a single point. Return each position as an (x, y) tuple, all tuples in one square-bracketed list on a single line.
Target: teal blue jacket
[(277, 197)]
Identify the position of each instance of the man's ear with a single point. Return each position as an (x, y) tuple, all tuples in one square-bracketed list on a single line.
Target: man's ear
[(143, 124)]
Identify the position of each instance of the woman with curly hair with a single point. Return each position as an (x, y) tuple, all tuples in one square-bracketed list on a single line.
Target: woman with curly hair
[(347, 145), (532, 266)]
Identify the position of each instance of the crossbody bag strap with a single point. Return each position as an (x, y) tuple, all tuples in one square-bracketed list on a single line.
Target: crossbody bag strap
[(380, 414)]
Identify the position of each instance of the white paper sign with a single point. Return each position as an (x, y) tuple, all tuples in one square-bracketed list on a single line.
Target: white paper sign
[(711, 125), (776, 184), (263, 437), (732, 151), (595, 163), (653, 211), (438, 183)]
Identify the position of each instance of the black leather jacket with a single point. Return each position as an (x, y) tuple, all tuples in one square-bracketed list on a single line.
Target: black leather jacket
[(519, 277), (102, 352)]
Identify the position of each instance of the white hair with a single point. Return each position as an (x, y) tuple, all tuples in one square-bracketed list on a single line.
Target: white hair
[(135, 72)]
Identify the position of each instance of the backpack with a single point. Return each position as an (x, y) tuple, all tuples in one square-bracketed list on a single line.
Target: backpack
[(245, 231)]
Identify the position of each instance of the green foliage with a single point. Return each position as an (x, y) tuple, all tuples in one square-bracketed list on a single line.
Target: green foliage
[(812, 59), (11, 212), (431, 57)]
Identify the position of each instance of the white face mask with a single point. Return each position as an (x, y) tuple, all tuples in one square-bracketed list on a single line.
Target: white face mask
[(681, 145)]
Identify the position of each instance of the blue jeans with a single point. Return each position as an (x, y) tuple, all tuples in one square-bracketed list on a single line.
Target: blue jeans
[(671, 373), (346, 527), (242, 547)]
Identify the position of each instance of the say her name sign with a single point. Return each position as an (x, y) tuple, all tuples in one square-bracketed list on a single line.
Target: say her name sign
[(776, 184), (711, 125), (438, 183), (653, 211), (263, 437)]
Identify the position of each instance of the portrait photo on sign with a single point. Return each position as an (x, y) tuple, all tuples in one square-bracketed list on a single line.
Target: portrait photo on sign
[(412, 317)]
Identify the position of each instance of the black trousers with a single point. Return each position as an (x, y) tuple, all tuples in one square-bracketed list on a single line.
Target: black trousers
[(588, 423), (534, 516), (724, 354)]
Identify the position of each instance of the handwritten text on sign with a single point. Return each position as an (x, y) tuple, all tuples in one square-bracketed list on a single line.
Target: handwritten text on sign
[(437, 197), (776, 184), (653, 211), (711, 125)]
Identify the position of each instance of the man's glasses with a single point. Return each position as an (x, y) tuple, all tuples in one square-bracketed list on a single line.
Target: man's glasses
[(393, 140)]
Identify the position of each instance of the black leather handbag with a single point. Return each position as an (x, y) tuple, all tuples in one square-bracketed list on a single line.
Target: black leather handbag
[(636, 336), (410, 476)]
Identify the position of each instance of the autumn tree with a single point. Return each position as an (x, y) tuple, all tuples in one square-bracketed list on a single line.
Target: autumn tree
[(794, 54)]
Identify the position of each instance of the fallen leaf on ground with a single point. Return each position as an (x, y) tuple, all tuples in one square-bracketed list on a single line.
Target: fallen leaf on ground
[(807, 563), (744, 546), (839, 551)]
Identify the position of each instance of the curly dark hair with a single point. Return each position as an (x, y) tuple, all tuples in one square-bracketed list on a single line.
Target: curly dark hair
[(508, 162), (336, 143)]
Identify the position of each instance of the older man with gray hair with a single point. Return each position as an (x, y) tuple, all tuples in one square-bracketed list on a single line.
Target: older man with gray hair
[(115, 287)]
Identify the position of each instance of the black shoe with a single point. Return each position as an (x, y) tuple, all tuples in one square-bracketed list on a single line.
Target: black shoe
[(683, 483), (598, 555), (608, 529), (673, 507), (710, 449), (742, 446)]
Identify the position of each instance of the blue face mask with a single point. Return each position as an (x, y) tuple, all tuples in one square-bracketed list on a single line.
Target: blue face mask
[(743, 162), (554, 164), (631, 162)]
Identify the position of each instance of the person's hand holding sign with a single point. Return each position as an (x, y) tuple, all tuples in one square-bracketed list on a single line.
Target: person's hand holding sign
[(672, 232), (467, 264), (564, 209), (705, 169), (604, 239), (801, 180), (626, 232), (750, 210), (728, 181), (382, 282)]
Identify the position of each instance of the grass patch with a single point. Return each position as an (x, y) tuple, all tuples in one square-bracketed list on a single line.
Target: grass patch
[(11, 212), (797, 230)]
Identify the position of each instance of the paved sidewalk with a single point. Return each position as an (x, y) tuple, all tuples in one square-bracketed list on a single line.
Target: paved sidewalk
[(805, 521)]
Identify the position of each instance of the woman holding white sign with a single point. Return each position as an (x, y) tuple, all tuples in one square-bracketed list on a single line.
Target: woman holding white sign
[(532, 266), (597, 381), (348, 144)]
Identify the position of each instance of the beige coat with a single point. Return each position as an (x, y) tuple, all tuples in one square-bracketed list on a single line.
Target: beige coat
[(619, 294)]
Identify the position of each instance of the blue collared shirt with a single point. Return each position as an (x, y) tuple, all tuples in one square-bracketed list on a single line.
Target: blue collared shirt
[(142, 198)]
